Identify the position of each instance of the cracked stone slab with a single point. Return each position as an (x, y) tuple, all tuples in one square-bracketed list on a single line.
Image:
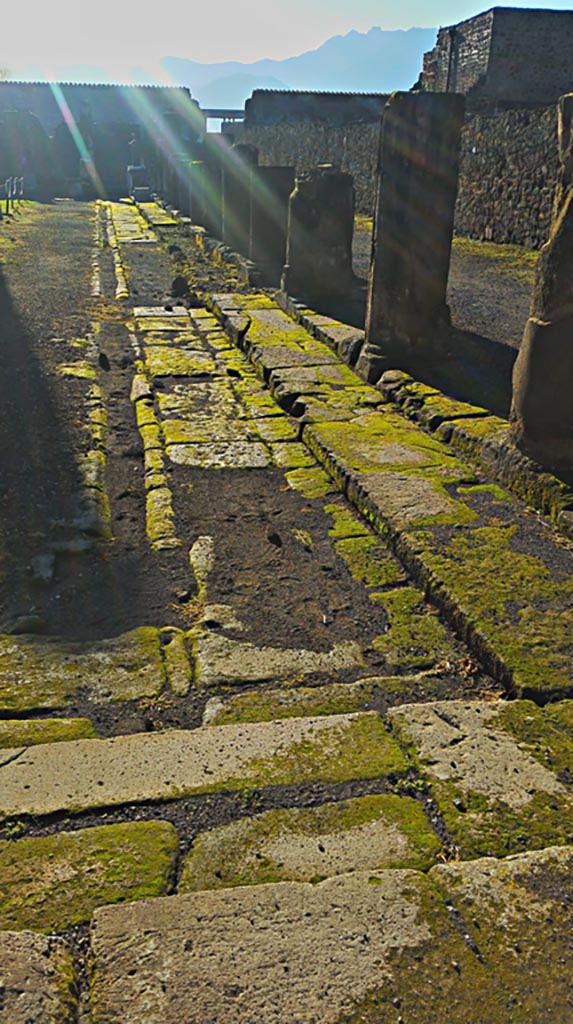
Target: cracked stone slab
[(37, 980), (309, 844), (351, 948), (494, 770), (223, 662), (168, 765), (37, 674), (50, 882), (518, 912)]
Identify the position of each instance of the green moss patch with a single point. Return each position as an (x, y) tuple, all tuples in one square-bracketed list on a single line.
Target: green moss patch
[(37, 674), (49, 883), (346, 523), (311, 483), (28, 732), (416, 639), (526, 609), (308, 845), (370, 562)]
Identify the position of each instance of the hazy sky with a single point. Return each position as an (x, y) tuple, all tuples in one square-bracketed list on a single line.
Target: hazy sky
[(114, 34)]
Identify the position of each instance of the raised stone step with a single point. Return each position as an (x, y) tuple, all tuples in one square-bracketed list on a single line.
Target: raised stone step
[(165, 766)]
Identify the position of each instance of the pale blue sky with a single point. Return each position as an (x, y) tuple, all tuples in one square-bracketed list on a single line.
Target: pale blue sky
[(114, 34)]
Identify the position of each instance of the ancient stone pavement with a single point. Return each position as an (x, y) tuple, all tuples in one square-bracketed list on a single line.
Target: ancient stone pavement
[(315, 766)]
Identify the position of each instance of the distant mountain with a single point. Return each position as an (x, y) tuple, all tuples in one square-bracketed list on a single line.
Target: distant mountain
[(373, 61)]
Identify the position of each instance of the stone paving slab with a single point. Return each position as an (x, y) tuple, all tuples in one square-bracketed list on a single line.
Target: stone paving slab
[(223, 662), (496, 770), (51, 882), (304, 701), (307, 845), (353, 948), (37, 673), (37, 980), (95, 773)]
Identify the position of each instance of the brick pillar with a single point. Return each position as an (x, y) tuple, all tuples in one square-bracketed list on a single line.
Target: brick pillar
[(542, 406), (407, 315), (270, 191), (237, 173), (320, 227)]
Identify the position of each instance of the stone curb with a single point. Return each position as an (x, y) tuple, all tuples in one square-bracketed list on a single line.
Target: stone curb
[(246, 319), (495, 454), (213, 248)]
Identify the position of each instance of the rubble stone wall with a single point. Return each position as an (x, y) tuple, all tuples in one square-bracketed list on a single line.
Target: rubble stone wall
[(508, 170)]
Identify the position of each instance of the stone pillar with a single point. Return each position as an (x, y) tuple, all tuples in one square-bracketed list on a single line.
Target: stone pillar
[(407, 314), (542, 406), (320, 227), (270, 191), (197, 192), (213, 179), (237, 173)]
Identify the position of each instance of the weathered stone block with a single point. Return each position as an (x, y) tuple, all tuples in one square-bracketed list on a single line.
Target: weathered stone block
[(320, 227)]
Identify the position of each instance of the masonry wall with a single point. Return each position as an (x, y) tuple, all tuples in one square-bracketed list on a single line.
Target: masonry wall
[(470, 50), (304, 144), (508, 173), (509, 166), (531, 56)]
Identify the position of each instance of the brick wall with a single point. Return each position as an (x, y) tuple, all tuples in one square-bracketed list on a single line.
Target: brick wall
[(461, 56), (531, 56)]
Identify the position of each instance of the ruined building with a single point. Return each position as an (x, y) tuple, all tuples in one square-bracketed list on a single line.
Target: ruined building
[(505, 57)]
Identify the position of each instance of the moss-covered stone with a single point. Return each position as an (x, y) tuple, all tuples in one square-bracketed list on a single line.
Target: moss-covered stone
[(495, 783), (81, 370), (517, 912), (295, 702), (311, 483), (525, 611), (177, 662), (416, 638), (349, 747), (291, 455), (175, 362), (346, 523), (308, 845), (370, 561), (160, 518), (277, 428), (49, 883), (37, 673), (18, 732)]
